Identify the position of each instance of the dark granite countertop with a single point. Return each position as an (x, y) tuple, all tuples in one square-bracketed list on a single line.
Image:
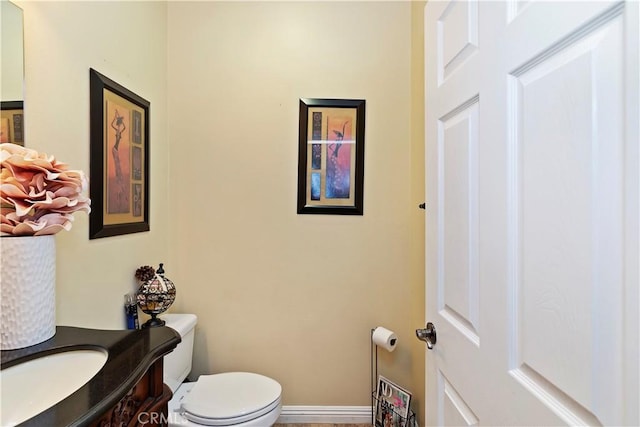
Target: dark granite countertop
[(130, 354)]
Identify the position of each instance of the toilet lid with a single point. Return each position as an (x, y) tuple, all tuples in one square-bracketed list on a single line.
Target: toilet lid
[(230, 398)]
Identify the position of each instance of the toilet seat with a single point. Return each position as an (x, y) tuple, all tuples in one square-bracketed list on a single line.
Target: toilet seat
[(230, 398)]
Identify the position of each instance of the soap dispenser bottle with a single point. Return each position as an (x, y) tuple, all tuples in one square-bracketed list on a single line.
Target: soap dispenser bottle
[(131, 311)]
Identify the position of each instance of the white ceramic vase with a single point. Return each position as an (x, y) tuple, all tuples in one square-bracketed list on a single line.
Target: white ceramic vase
[(27, 290)]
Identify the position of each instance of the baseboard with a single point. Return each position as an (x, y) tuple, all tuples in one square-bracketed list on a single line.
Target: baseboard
[(325, 415)]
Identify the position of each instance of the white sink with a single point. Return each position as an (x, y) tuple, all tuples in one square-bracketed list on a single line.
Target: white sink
[(31, 387)]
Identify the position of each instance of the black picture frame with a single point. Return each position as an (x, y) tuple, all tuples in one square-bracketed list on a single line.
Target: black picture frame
[(331, 156), (119, 159), (12, 122)]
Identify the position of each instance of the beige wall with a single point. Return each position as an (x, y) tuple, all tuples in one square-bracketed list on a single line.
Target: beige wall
[(291, 296), (417, 196), (126, 41)]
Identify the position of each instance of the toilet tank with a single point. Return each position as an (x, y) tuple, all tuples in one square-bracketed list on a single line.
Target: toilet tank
[(177, 364)]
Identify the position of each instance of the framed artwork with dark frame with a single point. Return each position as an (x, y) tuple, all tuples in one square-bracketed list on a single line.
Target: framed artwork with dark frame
[(12, 122), (331, 156), (119, 174)]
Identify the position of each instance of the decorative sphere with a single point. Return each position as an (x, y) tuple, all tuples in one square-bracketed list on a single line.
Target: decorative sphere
[(157, 294)]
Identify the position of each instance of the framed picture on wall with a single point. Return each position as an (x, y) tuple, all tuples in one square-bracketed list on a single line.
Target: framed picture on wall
[(12, 122), (119, 175), (331, 156)]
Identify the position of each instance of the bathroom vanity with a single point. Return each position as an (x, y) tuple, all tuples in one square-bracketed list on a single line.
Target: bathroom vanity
[(127, 388)]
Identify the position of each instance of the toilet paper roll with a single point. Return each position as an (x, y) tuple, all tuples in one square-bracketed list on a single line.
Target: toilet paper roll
[(382, 337)]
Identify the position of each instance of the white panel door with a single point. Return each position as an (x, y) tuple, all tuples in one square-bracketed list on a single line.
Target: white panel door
[(532, 218)]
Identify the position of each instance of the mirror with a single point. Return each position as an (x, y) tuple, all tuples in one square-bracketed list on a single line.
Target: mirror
[(12, 72)]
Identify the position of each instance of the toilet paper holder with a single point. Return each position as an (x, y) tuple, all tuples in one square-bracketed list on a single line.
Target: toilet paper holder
[(388, 345), (382, 337)]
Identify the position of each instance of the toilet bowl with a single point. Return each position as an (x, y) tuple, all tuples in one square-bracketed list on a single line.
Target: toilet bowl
[(239, 399)]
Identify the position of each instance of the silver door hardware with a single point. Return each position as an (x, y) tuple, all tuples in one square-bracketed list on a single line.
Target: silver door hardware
[(427, 335)]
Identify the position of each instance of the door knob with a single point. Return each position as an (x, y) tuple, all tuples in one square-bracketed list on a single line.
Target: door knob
[(427, 335)]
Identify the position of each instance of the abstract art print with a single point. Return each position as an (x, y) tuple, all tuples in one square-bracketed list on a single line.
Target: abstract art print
[(119, 184), (331, 156)]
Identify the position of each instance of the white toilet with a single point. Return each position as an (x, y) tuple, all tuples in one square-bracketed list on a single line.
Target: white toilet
[(239, 399)]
